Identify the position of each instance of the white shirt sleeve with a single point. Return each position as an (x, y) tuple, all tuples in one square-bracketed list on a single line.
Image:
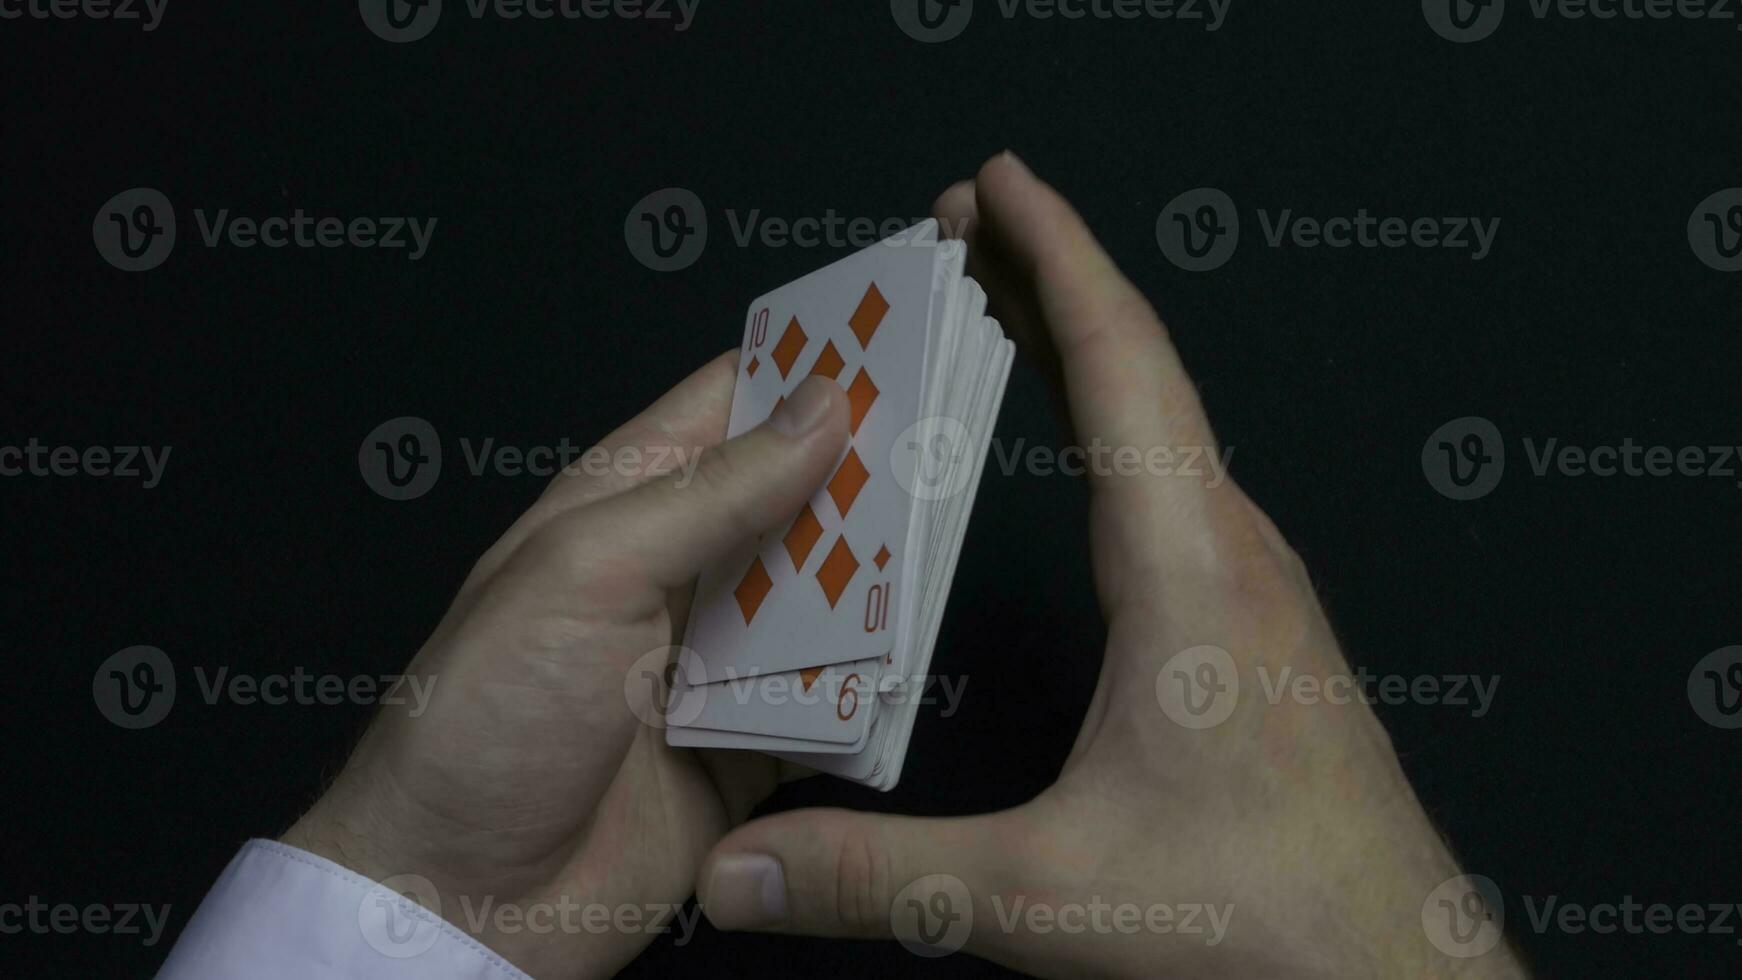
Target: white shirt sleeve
[(280, 913)]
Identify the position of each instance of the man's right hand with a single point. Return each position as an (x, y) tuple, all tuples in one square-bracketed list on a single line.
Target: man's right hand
[(1291, 823)]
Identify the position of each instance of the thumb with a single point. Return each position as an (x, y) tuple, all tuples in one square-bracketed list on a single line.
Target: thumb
[(845, 873), (677, 525)]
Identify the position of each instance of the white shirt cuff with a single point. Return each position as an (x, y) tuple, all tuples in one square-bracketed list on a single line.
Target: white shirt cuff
[(280, 913)]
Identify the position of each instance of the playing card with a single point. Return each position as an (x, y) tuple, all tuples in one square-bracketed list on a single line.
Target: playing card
[(827, 588), (797, 645), (822, 704), (879, 765)]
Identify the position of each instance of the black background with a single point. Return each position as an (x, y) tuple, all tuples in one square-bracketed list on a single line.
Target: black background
[(528, 321)]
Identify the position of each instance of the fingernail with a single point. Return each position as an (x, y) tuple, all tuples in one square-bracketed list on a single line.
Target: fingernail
[(805, 410), (746, 891), (1013, 158)]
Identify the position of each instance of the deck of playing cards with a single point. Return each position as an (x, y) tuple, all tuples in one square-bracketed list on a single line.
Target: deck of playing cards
[(813, 643)]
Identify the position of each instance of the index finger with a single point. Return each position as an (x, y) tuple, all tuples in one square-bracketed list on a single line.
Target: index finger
[(1123, 378)]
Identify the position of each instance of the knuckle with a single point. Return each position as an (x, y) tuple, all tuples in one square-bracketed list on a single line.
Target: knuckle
[(720, 478), (1292, 561), (1271, 537), (1262, 584), (563, 550), (556, 545), (1133, 311), (570, 555), (1184, 404), (863, 885), (1280, 620), (1255, 573), (717, 471)]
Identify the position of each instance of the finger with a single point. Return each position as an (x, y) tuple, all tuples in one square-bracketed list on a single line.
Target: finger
[(1010, 297), (665, 437), (839, 872), (792, 772), (956, 211), (745, 779), (742, 779), (685, 420), (1128, 395), (1123, 378), (663, 533)]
